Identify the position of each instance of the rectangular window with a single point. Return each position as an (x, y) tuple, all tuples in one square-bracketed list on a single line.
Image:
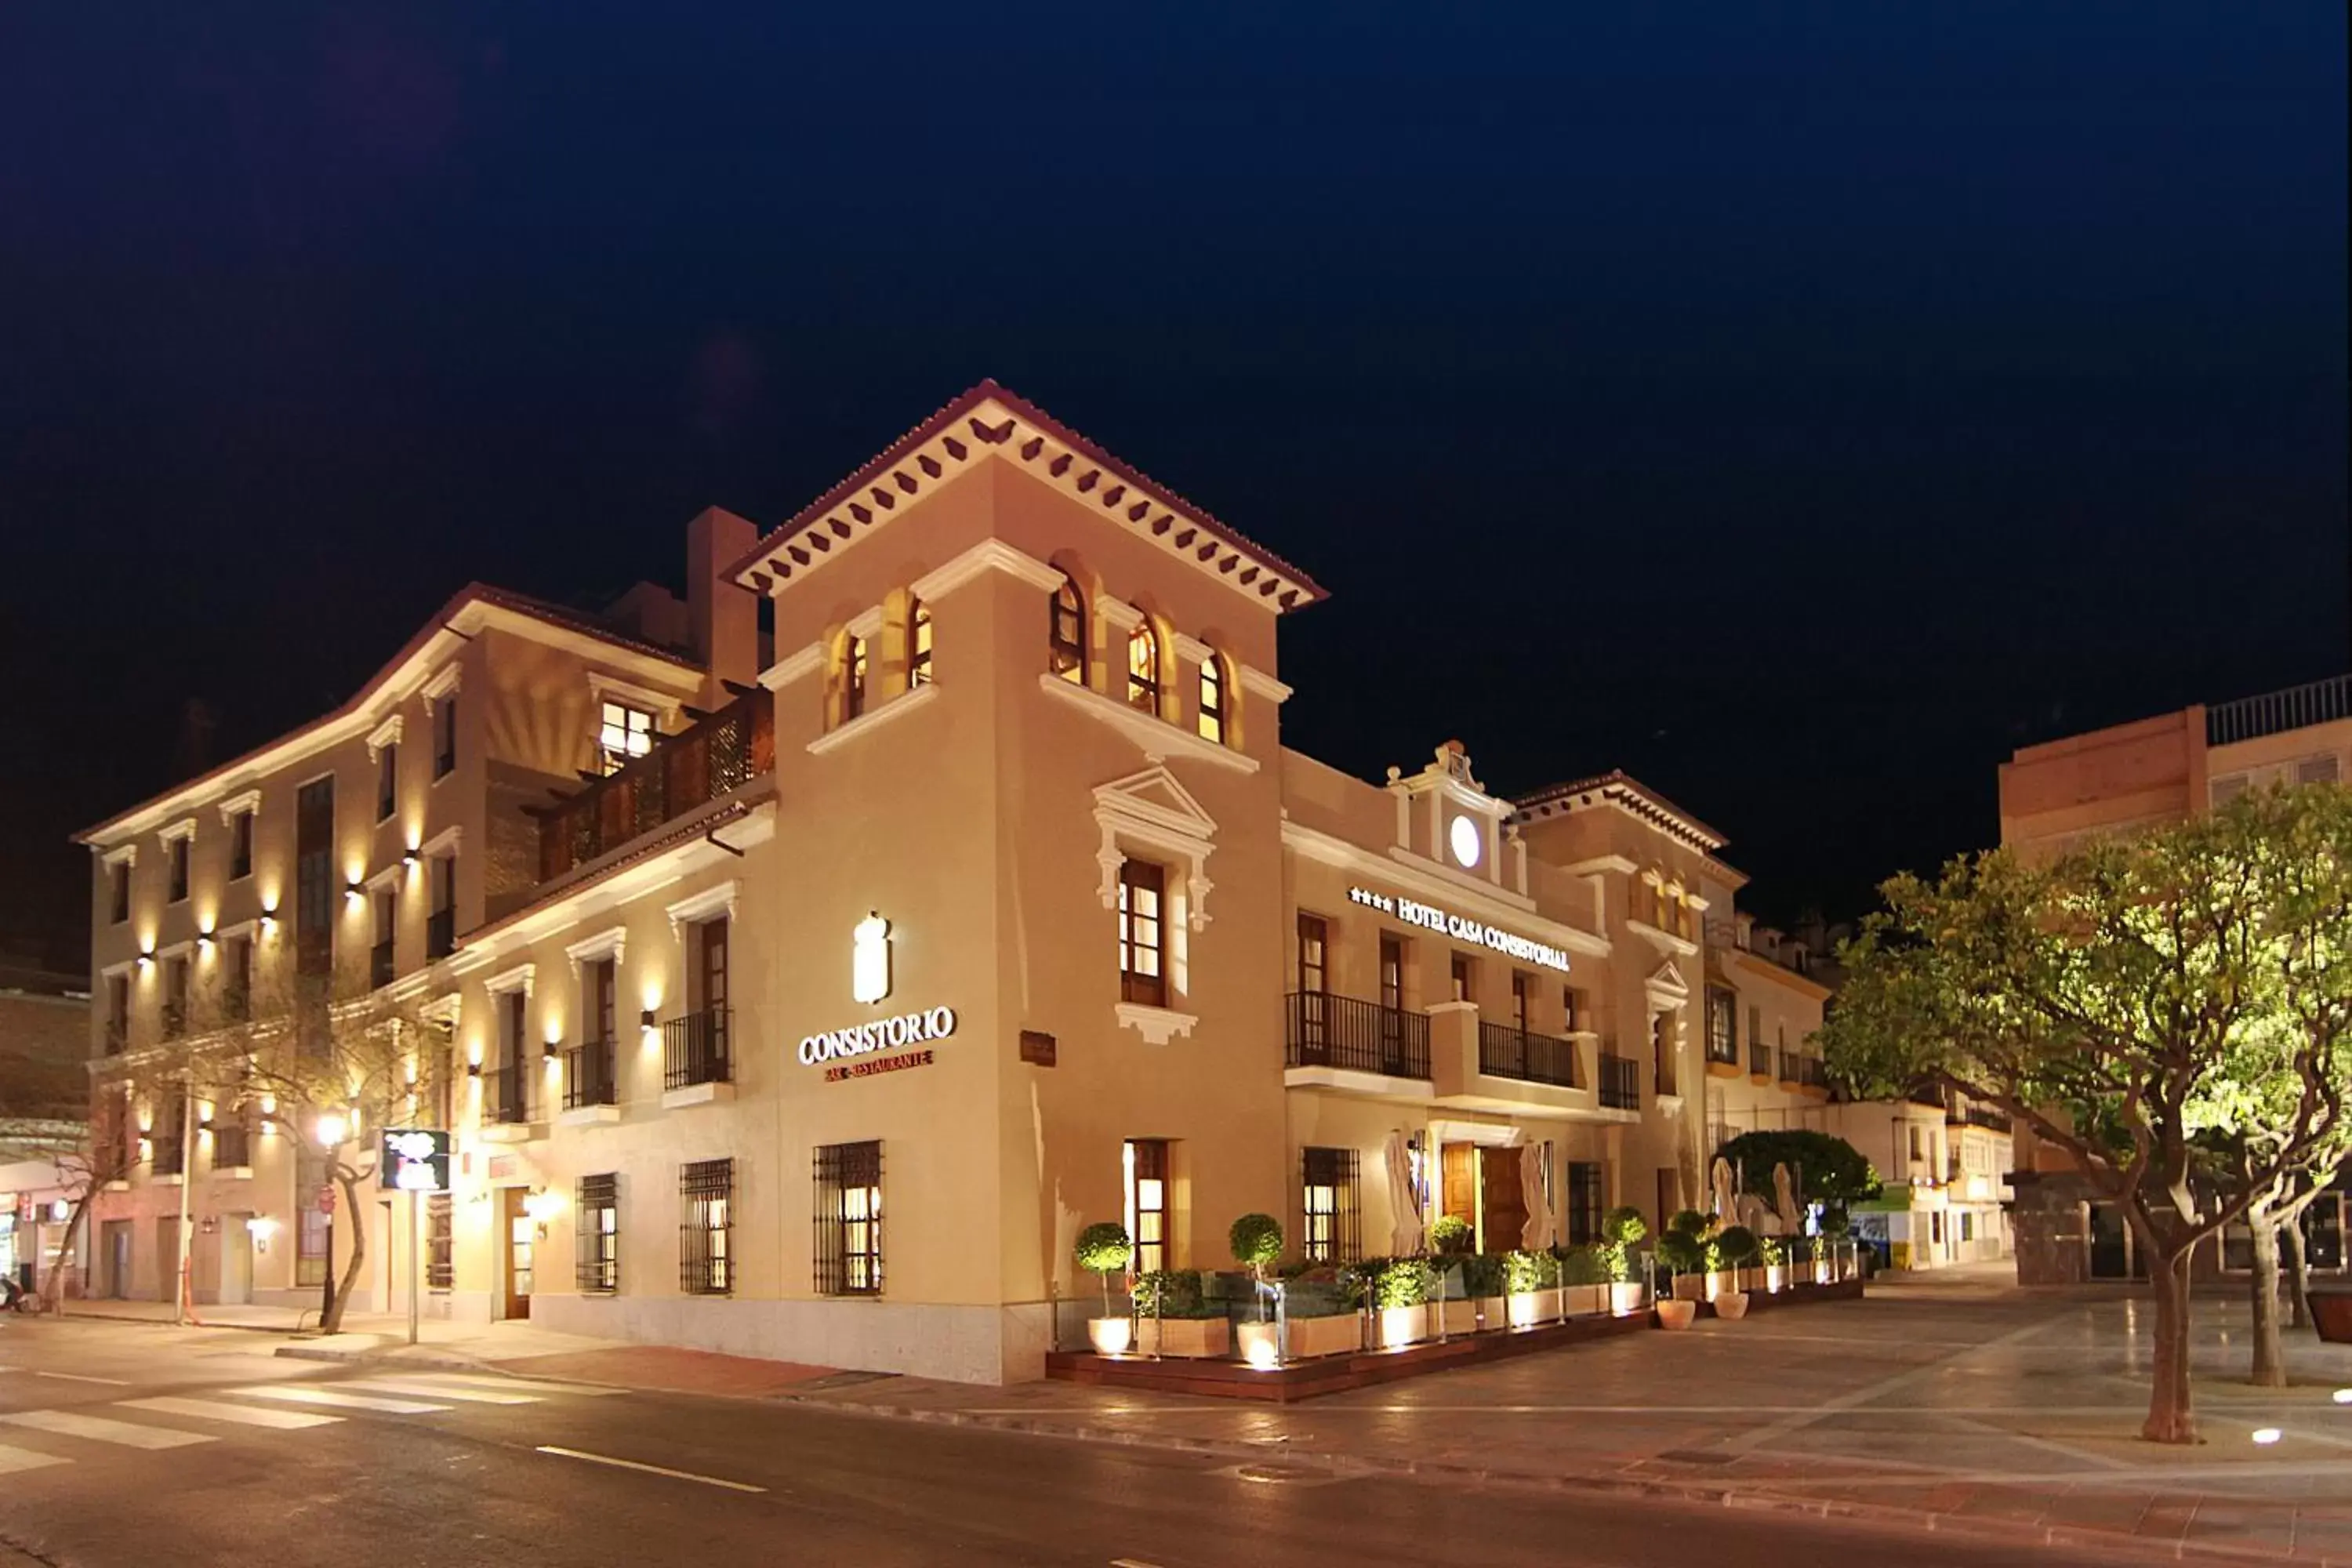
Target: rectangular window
[(1584, 1189), (1464, 977), (168, 1134), (1391, 972), (385, 911), (849, 1219), (232, 1136), (1722, 1025), (387, 779), (236, 979), (1572, 1010), (1520, 984), (1147, 1202), (440, 1242), (596, 1242), (117, 892), (1917, 1146), (117, 1013), (178, 850), (175, 997), (1142, 933), (1328, 1206), (705, 1265), (1212, 700), (1314, 978), (316, 895), (441, 923), (444, 736), (240, 846), (622, 732)]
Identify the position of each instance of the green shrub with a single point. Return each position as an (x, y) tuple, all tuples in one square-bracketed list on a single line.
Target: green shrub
[(1256, 1241), (1405, 1282), (1172, 1293), (1482, 1274), (1689, 1221), (1526, 1271), (1319, 1290), (1452, 1236), (1104, 1249), (1771, 1251), (1623, 1227), (1683, 1253), (1593, 1264), (1735, 1247)]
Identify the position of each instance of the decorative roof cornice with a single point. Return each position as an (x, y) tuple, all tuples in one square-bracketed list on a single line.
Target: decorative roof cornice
[(985, 421), (1618, 788)]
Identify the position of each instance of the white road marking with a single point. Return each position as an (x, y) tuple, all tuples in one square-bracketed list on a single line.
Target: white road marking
[(99, 1429), (14, 1459), (649, 1470), (244, 1414), (518, 1384), (297, 1394), (1131, 1562), (78, 1377), (417, 1387)]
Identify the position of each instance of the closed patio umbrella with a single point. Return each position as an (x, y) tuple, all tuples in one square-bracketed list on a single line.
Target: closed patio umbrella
[(1536, 1231), (1404, 1209)]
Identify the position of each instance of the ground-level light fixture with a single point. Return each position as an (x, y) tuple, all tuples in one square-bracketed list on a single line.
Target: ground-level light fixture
[(2266, 1436)]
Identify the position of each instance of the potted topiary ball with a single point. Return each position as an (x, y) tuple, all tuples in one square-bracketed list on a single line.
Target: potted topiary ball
[(1684, 1255), (1735, 1248), (1452, 1236), (1105, 1250), (1693, 1279), (1621, 1229), (1256, 1243)]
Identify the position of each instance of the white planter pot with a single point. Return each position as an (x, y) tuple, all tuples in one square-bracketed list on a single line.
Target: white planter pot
[(1776, 1277), (1261, 1346), (1731, 1305), (1198, 1338), (1528, 1308), (1461, 1317), (1325, 1336), (1625, 1297), (1402, 1326), (1721, 1282), (1493, 1312), (1586, 1300), (1676, 1313), (1111, 1336)]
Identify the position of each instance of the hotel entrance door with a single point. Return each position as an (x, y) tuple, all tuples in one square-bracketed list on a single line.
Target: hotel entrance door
[(1503, 1206), (518, 1232)]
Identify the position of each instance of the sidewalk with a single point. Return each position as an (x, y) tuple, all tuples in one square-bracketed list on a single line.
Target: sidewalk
[(1939, 1403)]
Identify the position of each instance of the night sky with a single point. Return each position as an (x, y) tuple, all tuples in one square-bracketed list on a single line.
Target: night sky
[(1800, 408)]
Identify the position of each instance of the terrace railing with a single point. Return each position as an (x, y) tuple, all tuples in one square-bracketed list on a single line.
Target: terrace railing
[(720, 754), (1505, 1051), (1327, 1031)]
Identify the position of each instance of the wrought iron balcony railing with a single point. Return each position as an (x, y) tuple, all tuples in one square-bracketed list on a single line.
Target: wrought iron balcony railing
[(505, 1095), (588, 1075), (1620, 1082), (1328, 1031), (695, 1048), (1505, 1051)]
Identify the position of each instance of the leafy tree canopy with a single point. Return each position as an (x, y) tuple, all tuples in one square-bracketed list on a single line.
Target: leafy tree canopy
[(1825, 1169)]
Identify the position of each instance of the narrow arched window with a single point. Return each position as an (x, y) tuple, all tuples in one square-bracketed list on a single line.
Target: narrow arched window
[(853, 678), (1143, 667), (1213, 699), (919, 645), (1069, 633)]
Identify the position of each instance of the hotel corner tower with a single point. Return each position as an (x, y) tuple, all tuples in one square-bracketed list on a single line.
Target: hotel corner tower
[(805, 996)]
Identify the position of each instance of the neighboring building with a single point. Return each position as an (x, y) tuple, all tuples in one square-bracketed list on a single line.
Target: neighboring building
[(44, 1102), (2055, 795), (818, 1019)]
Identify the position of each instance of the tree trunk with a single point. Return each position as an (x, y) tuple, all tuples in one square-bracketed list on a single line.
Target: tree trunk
[(2169, 1417), (332, 1323), (53, 1288), (2298, 1276), (2270, 1360)]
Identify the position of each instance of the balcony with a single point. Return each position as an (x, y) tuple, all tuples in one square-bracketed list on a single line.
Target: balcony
[(721, 754), (1813, 1076), (694, 1057), (440, 934), (1328, 1031), (380, 966), (169, 1154), (1792, 1069), (1983, 1116), (588, 1085), (1759, 1062), (506, 1096), (1507, 1052), (1620, 1082), (2296, 707)]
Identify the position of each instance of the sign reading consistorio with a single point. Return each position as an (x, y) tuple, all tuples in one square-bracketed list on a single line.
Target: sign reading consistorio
[(413, 1159)]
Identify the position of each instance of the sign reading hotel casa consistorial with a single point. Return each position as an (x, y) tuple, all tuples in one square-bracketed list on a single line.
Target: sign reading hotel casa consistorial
[(1462, 928)]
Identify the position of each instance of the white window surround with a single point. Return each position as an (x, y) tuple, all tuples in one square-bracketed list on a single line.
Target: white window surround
[(121, 855), (441, 1009), (183, 828), (609, 943), (662, 706), (519, 978), (389, 875), (1191, 651), (873, 718), (442, 842), (1118, 612), (243, 931), (987, 556), (866, 626), (113, 971), (1151, 810), (442, 685), (1258, 683), (237, 805), (798, 667), (712, 903), (385, 734), (1158, 738), (1157, 1025), (176, 950)]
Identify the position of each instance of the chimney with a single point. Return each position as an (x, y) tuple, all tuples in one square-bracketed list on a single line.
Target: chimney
[(724, 618)]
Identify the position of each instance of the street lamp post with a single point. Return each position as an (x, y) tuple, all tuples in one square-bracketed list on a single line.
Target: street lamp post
[(330, 1137)]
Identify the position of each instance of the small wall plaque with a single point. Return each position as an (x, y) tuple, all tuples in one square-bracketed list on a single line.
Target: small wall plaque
[(1037, 1047)]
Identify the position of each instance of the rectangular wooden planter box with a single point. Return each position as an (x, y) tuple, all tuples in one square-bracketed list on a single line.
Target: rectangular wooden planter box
[(1461, 1318), (1325, 1336), (1184, 1336), (1529, 1307), (1625, 1298), (1396, 1326), (1493, 1312), (1586, 1300)]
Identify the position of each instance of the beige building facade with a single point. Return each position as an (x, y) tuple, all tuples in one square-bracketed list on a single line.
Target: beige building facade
[(804, 994)]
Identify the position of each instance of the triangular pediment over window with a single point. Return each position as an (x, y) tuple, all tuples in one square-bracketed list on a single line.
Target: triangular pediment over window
[(1156, 795), (1668, 982), (1151, 811)]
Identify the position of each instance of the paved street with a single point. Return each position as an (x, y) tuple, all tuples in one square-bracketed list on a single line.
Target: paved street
[(132, 1444)]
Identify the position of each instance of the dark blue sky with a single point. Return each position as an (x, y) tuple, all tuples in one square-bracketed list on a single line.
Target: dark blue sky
[(1800, 407)]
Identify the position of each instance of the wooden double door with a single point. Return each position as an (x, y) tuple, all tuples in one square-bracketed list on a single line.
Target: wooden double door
[(1481, 1184)]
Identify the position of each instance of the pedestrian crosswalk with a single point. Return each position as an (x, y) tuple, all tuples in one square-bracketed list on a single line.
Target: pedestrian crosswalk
[(40, 1439)]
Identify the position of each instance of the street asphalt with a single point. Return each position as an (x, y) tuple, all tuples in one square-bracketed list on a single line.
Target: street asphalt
[(138, 1447)]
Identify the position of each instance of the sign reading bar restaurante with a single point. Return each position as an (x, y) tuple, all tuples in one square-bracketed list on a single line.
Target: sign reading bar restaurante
[(1462, 928)]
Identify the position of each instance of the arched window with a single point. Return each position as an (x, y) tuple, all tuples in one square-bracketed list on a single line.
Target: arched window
[(853, 678), (1069, 633), (1143, 667), (919, 645), (1213, 699)]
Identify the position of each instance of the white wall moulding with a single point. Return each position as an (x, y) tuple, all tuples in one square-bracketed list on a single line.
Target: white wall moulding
[(237, 804), (798, 666), (987, 556), (385, 734), (608, 943), (1157, 1025), (713, 901), (520, 978), (1157, 738), (1152, 811), (873, 719), (442, 685)]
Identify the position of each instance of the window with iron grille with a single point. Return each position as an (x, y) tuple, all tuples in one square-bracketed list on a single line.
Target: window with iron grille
[(440, 1226), (1328, 1206), (1583, 1201), (596, 1249), (705, 1265), (849, 1219)]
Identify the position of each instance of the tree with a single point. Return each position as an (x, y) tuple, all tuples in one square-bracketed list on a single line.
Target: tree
[(1828, 1169), (2126, 1002), (1103, 1249)]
